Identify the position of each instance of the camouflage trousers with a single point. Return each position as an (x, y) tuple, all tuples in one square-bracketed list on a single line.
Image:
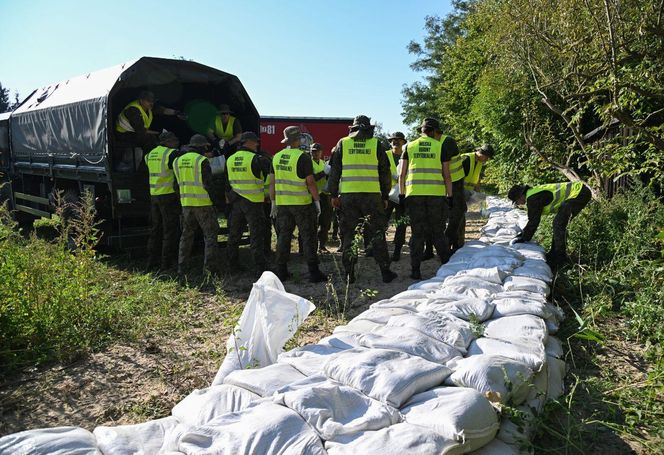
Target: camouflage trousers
[(164, 230), (325, 219), (304, 217), (206, 218), (246, 212), (457, 216), (363, 214), (427, 220)]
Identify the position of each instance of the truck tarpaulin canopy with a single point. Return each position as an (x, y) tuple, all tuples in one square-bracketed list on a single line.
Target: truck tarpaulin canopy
[(73, 119)]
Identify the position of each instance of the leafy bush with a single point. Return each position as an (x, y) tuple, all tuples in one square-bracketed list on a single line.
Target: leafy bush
[(56, 304)]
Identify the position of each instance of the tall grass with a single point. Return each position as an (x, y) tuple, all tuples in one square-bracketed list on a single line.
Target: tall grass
[(58, 300)]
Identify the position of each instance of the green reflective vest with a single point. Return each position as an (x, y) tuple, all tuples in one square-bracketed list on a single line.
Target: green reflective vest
[(188, 170), (393, 167), (319, 167), (221, 132), (242, 179), (561, 192), (161, 177), (289, 188), (425, 170), (123, 125), (474, 170), (359, 172)]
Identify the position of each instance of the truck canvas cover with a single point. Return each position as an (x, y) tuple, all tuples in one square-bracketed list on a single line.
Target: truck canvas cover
[(70, 121)]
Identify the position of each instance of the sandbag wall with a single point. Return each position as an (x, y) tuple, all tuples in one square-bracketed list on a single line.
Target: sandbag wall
[(459, 363)]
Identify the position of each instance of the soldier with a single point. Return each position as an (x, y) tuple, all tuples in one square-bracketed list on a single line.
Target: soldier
[(425, 180), (566, 200), (245, 191), (164, 203), (359, 185), (295, 202), (472, 167), (194, 176), (397, 141), (227, 127), (325, 217)]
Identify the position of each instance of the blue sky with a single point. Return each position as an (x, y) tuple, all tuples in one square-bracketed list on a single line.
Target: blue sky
[(298, 58)]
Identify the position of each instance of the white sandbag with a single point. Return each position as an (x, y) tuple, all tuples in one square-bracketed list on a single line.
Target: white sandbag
[(556, 377), (529, 353), (400, 439), (497, 251), (521, 329), (471, 283), (534, 269), (468, 309), (380, 315), (492, 373), (503, 263), (554, 347), (458, 413), (450, 269), (341, 341), (264, 381), (143, 438), (515, 307), (413, 294), (335, 410), (490, 274), (517, 429), (528, 246), (203, 405), (358, 326), (523, 295), (437, 325), (47, 441), (270, 317), (391, 377), (266, 429), (495, 447), (310, 359), (406, 303), (410, 341), (428, 285), (522, 283)]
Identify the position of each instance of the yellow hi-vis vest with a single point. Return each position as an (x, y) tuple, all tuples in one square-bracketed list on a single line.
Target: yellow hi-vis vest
[(289, 188), (188, 170), (474, 170), (221, 132), (319, 167), (123, 125), (359, 172), (456, 168), (561, 192), (393, 167), (242, 179), (425, 170), (161, 177)]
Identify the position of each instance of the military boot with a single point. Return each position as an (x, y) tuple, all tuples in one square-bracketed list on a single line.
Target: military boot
[(415, 273), (387, 274), (315, 275), (396, 255), (282, 272)]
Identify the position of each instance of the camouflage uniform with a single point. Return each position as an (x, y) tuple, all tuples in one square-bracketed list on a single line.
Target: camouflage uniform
[(457, 215), (246, 212), (163, 241), (206, 218), (304, 217), (427, 220), (325, 219)]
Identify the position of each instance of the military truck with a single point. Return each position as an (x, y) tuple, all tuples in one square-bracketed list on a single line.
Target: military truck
[(62, 138)]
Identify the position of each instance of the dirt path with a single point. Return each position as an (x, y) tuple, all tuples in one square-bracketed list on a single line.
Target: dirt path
[(135, 382)]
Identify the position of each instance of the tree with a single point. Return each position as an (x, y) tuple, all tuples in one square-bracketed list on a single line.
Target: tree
[(5, 105)]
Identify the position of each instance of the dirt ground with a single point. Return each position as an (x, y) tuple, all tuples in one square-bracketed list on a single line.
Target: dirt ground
[(134, 382)]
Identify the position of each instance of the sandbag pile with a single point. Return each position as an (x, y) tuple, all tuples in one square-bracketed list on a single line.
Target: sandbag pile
[(460, 363)]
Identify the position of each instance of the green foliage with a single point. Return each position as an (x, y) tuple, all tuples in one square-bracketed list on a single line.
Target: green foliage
[(56, 304), (5, 105)]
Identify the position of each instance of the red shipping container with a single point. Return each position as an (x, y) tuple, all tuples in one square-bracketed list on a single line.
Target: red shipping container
[(325, 130)]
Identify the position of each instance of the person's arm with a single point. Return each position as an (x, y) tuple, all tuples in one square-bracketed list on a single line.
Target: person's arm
[(237, 132), (535, 206), (447, 177), (384, 172), (171, 158), (136, 120), (273, 191), (313, 189), (206, 176), (404, 171), (335, 171), (449, 149), (305, 169)]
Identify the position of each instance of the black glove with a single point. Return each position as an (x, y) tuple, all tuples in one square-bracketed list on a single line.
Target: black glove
[(450, 202)]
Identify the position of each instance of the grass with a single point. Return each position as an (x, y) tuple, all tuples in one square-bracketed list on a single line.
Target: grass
[(614, 333)]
